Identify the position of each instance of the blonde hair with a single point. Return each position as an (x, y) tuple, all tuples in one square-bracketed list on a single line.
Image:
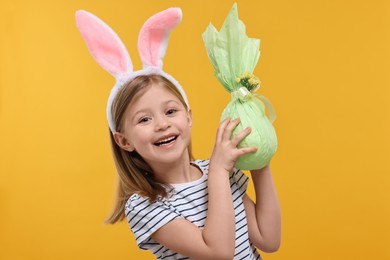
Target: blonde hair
[(134, 174)]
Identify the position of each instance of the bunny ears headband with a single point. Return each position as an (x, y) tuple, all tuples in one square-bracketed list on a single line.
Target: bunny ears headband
[(111, 54)]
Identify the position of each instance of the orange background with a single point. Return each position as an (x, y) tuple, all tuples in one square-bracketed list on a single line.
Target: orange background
[(324, 65)]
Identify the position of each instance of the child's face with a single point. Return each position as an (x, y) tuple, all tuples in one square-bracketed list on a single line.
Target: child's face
[(157, 126)]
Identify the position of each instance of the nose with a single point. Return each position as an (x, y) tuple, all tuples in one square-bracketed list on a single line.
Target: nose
[(162, 123)]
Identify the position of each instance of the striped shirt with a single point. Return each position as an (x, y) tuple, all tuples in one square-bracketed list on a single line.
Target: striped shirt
[(188, 201)]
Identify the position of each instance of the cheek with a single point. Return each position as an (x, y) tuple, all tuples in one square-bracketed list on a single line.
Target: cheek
[(141, 136), (187, 129)]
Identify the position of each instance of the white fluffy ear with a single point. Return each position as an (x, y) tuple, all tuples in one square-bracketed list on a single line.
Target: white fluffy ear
[(104, 44), (154, 35)]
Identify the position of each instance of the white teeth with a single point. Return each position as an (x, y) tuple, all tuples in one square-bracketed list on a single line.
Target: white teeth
[(165, 141)]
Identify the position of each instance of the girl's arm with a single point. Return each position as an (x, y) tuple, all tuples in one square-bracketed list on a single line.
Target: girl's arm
[(217, 239), (264, 217)]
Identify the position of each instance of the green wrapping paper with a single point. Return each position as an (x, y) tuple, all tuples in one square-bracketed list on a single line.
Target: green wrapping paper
[(234, 57)]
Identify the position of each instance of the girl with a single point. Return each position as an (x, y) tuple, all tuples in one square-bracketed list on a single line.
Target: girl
[(177, 207)]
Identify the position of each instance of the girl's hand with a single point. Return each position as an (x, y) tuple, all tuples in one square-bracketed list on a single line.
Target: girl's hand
[(226, 153)]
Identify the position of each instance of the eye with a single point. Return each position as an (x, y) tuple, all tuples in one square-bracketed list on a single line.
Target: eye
[(171, 111), (144, 120)]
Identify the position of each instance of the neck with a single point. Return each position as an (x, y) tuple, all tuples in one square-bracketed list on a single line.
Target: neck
[(180, 171)]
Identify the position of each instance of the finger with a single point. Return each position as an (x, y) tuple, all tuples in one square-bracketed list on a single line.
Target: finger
[(241, 136), (229, 129), (221, 129), (247, 150)]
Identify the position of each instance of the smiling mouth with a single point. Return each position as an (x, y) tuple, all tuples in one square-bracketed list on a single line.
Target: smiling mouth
[(166, 141)]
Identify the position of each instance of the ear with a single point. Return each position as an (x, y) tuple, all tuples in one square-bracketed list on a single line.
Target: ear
[(189, 115), (104, 44), (122, 142), (154, 35)]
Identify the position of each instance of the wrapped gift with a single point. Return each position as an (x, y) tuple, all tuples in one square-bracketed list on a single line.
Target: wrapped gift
[(234, 57)]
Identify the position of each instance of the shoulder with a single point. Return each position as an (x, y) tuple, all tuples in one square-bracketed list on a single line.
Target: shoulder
[(140, 210), (145, 217), (136, 202), (237, 175), (202, 164), (239, 182)]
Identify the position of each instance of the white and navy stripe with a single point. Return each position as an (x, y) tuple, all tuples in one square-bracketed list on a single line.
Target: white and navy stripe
[(189, 201)]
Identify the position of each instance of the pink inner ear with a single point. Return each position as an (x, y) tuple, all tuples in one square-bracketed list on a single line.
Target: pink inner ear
[(155, 45), (103, 43), (153, 38)]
